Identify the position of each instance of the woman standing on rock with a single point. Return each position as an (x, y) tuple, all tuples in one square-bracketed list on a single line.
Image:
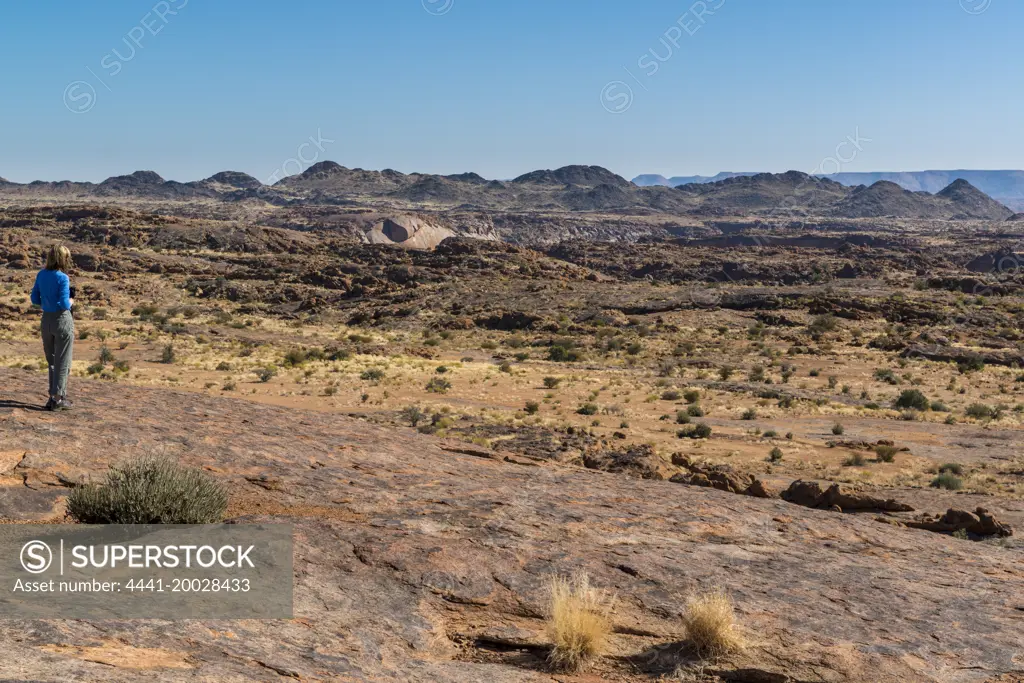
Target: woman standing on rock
[(52, 291)]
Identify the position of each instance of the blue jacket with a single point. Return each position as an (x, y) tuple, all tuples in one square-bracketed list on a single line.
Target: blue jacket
[(52, 291)]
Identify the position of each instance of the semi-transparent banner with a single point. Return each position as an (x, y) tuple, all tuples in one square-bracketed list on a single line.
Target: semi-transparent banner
[(70, 571)]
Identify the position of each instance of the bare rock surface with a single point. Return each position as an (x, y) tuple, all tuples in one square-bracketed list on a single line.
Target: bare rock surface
[(416, 563)]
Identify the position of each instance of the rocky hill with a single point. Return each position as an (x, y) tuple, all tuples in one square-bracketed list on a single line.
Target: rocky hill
[(960, 200), (1006, 187), (570, 189)]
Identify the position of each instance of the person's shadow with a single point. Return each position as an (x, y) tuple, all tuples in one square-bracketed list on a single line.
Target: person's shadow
[(4, 403)]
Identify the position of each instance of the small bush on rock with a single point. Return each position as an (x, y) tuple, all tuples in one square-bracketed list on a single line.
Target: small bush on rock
[(149, 490)]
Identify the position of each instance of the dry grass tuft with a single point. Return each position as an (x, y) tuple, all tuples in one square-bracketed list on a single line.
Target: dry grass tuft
[(710, 622), (579, 622)]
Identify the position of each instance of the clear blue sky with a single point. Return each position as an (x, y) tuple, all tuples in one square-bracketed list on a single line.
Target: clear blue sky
[(505, 86)]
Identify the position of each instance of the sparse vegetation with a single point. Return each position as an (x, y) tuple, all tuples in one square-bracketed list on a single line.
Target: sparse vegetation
[(149, 490), (948, 481), (579, 622), (711, 625)]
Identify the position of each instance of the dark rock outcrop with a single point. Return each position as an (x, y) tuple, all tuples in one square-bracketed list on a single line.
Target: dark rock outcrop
[(811, 494)]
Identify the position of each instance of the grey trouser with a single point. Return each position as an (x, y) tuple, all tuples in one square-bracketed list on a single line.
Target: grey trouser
[(58, 338)]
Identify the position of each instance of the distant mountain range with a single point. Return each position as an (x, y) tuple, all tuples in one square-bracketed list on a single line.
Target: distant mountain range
[(1007, 187), (781, 196)]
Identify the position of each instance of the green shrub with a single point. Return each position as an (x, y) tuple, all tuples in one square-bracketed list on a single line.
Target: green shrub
[(749, 414), (948, 481), (532, 407), (149, 490), (838, 429), (224, 366), (695, 411), (856, 459), (691, 396), (168, 356), (372, 375), (952, 468), (886, 453), (979, 411), (912, 398), (588, 409), (552, 382), (294, 358), (725, 372), (939, 407), (413, 415), (266, 374), (563, 352), (106, 355), (438, 385), (701, 431), (886, 375), (775, 455), (682, 417), (671, 395)]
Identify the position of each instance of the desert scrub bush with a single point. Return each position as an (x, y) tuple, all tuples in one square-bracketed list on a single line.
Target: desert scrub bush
[(886, 453), (168, 355), (711, 627), (948, 481), (939, 407), (682, 417), (266, 374), (756, 374), (838, 429), (438, 385), (294, 358), (749, 414), (973, 363), (952, 468), (532, 407), (695, 411), (579, 622), (912, 399), (413, 415), (671, 395), (372, 375), (552, 382), (775, 455), (587, 409), (564, 351), (979, 411), (149, 490), (822, 324), (106, 355), (224, 366), (886, 375), (701, 431), (725, 372), (691, 395), (856, 459)]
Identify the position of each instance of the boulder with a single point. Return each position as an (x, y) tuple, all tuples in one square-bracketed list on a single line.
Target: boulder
[(980, 523), (721, 477), (810, 494)]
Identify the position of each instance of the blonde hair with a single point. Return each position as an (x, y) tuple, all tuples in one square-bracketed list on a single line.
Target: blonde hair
[(58, 258)]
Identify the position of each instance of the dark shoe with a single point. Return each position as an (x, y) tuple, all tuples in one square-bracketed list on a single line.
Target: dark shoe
[(63, 403), (50, 404)]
